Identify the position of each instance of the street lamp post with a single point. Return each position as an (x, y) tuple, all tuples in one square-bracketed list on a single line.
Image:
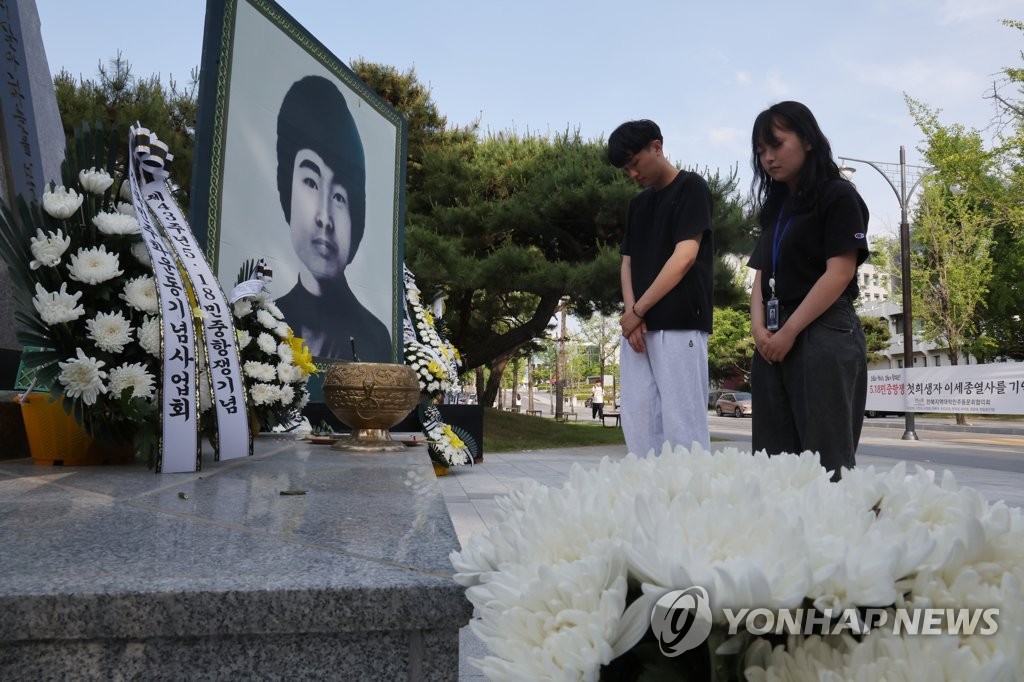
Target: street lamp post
[(919, 173)]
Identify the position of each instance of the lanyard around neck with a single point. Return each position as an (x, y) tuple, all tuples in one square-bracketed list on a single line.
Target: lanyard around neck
[(776, 242)]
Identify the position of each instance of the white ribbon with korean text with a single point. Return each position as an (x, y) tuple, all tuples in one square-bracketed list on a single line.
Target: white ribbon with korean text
[(233, 437), (179, 449)]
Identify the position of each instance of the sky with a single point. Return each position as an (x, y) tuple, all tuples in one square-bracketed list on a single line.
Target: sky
[(703, 71)]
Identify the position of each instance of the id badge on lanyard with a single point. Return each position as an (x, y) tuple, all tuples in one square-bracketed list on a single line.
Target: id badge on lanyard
[(772, 310), (772, 304)]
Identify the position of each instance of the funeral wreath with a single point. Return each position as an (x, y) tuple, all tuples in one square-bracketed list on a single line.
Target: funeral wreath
[(87, 305), (276, 364)]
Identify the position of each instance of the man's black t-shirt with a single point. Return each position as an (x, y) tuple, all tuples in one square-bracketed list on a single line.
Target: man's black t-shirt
[(808, 234), (658, 220)]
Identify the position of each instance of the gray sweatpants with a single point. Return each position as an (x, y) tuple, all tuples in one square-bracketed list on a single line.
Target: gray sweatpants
[(665, 391), (814, 399)]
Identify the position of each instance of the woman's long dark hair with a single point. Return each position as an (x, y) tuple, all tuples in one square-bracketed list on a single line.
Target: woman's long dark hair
[(819, 167)]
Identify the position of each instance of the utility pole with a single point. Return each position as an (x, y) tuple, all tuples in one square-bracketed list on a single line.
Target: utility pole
[(893, 174), (529, 384), (560, 365)]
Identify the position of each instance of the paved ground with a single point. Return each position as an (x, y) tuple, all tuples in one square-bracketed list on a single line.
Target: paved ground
[(470, 492)]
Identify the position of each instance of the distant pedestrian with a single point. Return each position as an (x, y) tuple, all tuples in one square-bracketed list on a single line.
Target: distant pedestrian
[(667, 258), (597, 401)]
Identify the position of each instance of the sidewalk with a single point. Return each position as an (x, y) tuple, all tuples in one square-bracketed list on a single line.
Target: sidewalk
[(469, 493)]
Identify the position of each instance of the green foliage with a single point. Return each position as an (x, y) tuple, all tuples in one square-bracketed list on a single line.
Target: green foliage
[(403, 91), (510, 431), (877, 336), (952, 233), (601, 335), (730, 346), (1002, 320), (885, 256), (516, 224), (119, 98)]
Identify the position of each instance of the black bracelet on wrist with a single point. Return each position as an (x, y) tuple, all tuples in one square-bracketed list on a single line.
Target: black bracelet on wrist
[(635, 312)]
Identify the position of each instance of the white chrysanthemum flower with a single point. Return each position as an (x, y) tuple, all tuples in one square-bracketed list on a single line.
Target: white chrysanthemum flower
[(266, 319), (241, 307), (110, 331), (244, 338), (95, 181), (571, 629), (263, 394), (132, 376), (59, 306), (140, 293), (116, 223), (150, 336), (125, 208), (62, 203), (287, 373), (282, 330), (284, 351), (260, 371), (141, 253), (273, 309), (267, 343), (126, 191), (82, 377), (48, 248), (95, 265), (286, 394)]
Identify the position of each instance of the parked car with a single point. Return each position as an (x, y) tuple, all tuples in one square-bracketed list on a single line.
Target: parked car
[(736, 403)]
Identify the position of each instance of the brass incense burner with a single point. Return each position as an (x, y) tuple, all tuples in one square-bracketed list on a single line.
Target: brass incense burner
[(370, 398)]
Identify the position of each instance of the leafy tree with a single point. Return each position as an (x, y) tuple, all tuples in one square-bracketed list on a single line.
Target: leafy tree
[(953, 235), (885, 256), (427, 126), (1002, 320), (602, 333), (877, 336), (119, 98), (730, 346), (515, 224), (735, 234)]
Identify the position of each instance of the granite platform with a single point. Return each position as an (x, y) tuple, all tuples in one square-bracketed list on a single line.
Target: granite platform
[(120, 573)]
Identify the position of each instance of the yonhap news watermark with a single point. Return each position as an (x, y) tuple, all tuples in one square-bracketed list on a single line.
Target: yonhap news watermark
[(681, 620)]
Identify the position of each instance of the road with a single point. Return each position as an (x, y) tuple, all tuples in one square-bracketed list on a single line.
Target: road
[(1000, 452), (995, 446), (991, 462)]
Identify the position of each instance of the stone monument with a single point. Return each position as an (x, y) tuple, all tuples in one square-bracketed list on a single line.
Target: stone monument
[(31, 140)]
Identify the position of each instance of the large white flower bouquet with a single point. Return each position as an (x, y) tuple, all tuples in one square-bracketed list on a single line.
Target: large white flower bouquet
[(88, 309), (276, 364), (566, 580)]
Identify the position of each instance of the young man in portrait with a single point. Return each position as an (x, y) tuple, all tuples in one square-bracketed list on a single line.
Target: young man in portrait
[(321, 181)]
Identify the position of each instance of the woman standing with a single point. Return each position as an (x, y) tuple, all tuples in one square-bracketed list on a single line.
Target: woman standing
[(809, 374)]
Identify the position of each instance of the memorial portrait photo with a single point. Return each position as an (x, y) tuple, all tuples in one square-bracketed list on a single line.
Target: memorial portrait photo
[(307, 168)]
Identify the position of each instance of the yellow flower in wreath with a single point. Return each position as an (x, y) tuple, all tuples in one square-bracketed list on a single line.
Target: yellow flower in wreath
[(300, 353)]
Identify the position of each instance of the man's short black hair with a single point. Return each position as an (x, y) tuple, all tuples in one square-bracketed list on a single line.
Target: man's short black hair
[(631, 137), (315, 116)]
